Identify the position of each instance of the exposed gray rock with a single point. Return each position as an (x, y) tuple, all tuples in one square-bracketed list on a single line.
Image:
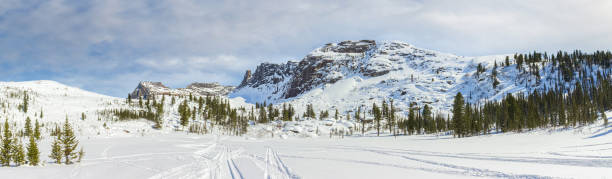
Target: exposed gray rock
[(148, 90), (291, 79)]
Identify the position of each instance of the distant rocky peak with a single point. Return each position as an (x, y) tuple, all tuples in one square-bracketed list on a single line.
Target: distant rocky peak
[(148, 89), (150, 84), (325, 65), (245, 79), (203, 85), (350, 46)]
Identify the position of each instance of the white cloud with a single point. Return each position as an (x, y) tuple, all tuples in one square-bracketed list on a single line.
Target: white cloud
[(193, 40), (217, 63)]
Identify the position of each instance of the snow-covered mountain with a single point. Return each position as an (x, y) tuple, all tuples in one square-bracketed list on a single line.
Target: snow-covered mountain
[(146, 89), (136, 150), (352, 73)]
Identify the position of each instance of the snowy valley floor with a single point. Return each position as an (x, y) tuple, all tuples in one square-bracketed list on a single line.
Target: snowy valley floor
[(577, 153)]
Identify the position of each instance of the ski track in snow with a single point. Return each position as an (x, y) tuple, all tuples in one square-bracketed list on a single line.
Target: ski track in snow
[(452, 169), (539, 160), (197, 169), (470, 171), (217, 160), (275, 168), (585, 161)]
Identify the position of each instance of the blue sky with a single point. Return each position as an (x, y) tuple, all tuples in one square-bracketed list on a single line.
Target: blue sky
[(108, 46)]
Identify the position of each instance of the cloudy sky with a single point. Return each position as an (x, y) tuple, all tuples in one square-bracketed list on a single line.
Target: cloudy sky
[(108, 46)]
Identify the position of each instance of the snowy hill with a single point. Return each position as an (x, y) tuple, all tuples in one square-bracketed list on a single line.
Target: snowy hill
[(57, 101), (348, 74)]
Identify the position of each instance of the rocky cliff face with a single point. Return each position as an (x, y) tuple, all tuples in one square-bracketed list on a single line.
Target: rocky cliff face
[(322, 66), (148, 89), (325, 65)]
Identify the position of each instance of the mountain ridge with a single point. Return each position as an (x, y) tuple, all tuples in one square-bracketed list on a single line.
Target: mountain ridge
[(349, 74)]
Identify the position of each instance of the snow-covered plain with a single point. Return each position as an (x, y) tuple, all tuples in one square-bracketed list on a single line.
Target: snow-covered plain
[(576, 153), (301, 149)]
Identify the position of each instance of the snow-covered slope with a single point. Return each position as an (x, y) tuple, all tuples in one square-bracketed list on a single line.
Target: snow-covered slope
[(348, 74), (55, 100)]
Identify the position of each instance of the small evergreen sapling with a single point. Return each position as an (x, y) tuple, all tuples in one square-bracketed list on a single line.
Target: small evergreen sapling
[(5, 150), (18, 153), (33, 153), (28, 127), (36, 130), (56, 150), (69, 143)]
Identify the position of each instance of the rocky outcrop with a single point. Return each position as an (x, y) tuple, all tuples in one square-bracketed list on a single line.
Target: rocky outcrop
[(324, 65), (269, 73), (245, 79), (209, 89), (351, 46), (310, 72), (147, 89)]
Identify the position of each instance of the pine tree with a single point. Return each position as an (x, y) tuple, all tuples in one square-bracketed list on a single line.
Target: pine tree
[(18, 153), (194, 113), (270, 112), (7, 141), (263, 118), (411, 119), (69, 143), (28, 127), (358, 118), (323, 114), (336, 115), (25, 102), (291, 112), (391, 116), (458, 109), (427, 117), (184, 113), (377, 117), (33, 153), (309, 111), (56, 150), (507, 60)]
